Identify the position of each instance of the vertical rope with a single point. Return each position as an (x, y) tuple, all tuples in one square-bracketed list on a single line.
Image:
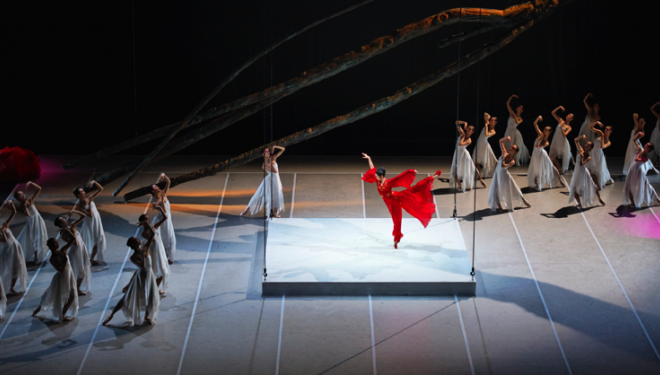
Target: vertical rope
[(458, 106), (265, 137), (476, 154), (134, 73)]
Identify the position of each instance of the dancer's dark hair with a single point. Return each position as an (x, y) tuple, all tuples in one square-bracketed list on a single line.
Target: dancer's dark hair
[(380, 171), (143, 217), (650, 146), (76, 191)]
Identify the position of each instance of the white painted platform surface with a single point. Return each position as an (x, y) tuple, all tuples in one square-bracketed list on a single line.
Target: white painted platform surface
[(357, 257)]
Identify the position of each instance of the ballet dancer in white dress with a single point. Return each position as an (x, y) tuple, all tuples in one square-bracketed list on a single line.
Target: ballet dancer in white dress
[(270, 190), (583, 189), (598, 165), (542, 172), (167, 232), (560, 148), (631, 151), (637, 191), (515, 119), (60, 297), (592, 116), (12, 261), (463, 169), (92, 228), (483, 155), (654, 155), (142, 292), (34, 235), (503, 189), (78, 255), (159, 264)]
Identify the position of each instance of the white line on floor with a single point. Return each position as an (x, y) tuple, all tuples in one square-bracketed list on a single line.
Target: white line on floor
[(201, 278), (279, 339), (437, 212), (538, 288), (653, 212), (467, 347), (293, 193), (107, 303), (18, 306), (621, 285), (373, 338), (364, 205)]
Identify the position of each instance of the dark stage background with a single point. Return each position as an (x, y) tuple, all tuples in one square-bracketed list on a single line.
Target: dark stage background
[(69, 86)]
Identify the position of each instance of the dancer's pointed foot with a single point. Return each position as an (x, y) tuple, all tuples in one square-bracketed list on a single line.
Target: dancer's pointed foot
[(483, 183), (395, 244), (601, 201), (67, 319), (107, 320), (527, 204), (81, 293), (244, 212), (95, 263)]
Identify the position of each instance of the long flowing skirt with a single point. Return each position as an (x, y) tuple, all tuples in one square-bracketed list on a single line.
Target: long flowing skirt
[(631, 152), (93, 234), (483, 155), (584, 129), (62, 287), (141, 296), (463, 168), (598, 165), (583, 185), (522, 156), (269, 193), (166, 231), (12, 263), (654, 155), (560, 148), (80, 263), (637, 185), (159, 265), (541, 172), (503, 189), (3, 300), (34, 235)]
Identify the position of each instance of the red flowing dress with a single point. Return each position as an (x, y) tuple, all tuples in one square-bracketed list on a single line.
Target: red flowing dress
[(416, 200)]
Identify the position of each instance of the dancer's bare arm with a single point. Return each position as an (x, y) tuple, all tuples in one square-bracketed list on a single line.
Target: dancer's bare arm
[(98, 191), (539, 133), (12, 208), (656, 112), (586, 102), (371, 164), (598, 132), (163, 177), (489, 133), (555, 115), (276, 154), (36, 192), (164, 219), (80, 219), (512, 113), (635, 138), (578, 145), (461, 134)]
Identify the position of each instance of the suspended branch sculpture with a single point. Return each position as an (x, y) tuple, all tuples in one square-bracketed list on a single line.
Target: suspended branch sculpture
[(515, 19)]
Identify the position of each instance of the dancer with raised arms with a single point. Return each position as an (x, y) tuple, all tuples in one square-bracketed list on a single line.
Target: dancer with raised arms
[(416, 200), (34, 235), (631, 151), (512, 132), (270, 190), (598, 165), (12, 260), (142, 292), (560, 148), (654, 155), (60, 297), (483, 155), (592, 116), (167, 233), (582, 185), (637, 191), (503, 189), (463, 169), (541, 171), (78, 255), (92, 228), (159, 264)]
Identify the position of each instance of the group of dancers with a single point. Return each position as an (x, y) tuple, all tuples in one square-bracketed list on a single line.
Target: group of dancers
[(80, 245)]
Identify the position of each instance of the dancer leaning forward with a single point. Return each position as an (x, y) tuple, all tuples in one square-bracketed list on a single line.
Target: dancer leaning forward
[(416, 200)]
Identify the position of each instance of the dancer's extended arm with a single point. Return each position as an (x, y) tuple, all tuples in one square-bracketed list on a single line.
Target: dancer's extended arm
[(164, 177), (556, 116), (505, 153), (36, 192), (489, 133), (635, 138), (98, 191), (371, 164), (656, 112), (277, 154), (511, 111), (586, 103), (539, 133), (164, 219)]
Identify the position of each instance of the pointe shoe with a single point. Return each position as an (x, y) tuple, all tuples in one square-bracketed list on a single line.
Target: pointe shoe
[(395, 244)]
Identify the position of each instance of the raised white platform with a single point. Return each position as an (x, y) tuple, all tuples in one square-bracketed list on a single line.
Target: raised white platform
[(357, 257)]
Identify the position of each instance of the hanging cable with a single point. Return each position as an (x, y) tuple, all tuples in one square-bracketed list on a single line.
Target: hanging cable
[(454, 170), (265, 137), (476, 155)]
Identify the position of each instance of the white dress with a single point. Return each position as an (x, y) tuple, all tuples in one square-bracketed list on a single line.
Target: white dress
[(583, 185), (141, 295), (92, 232), (598, 165), (560, 148), (584, 128), (270, 193), (166, 231), (483, 154), (654, 155), (541, 172), (80, 264), (3, 300), (56, 296), (631, 152), (503, 189), (637, 185), (463, 167), (159, 265), (34, 235), (12, 263), (522, 156)]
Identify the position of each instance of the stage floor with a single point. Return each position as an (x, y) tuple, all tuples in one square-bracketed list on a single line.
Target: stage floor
[(357, 257)]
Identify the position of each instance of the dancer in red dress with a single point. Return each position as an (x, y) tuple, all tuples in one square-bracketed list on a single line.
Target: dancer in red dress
[(416, 200)]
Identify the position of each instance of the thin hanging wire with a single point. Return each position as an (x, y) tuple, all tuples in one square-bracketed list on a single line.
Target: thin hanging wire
[(458, 106), (476, 155), (134, 72), (265, 137)]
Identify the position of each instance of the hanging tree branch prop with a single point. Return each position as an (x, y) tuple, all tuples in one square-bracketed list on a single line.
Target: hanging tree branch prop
[(494, 18), (358, 114)]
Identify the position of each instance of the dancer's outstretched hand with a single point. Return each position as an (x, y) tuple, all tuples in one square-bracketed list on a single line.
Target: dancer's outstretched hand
[(437, 174), (365, 156)]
